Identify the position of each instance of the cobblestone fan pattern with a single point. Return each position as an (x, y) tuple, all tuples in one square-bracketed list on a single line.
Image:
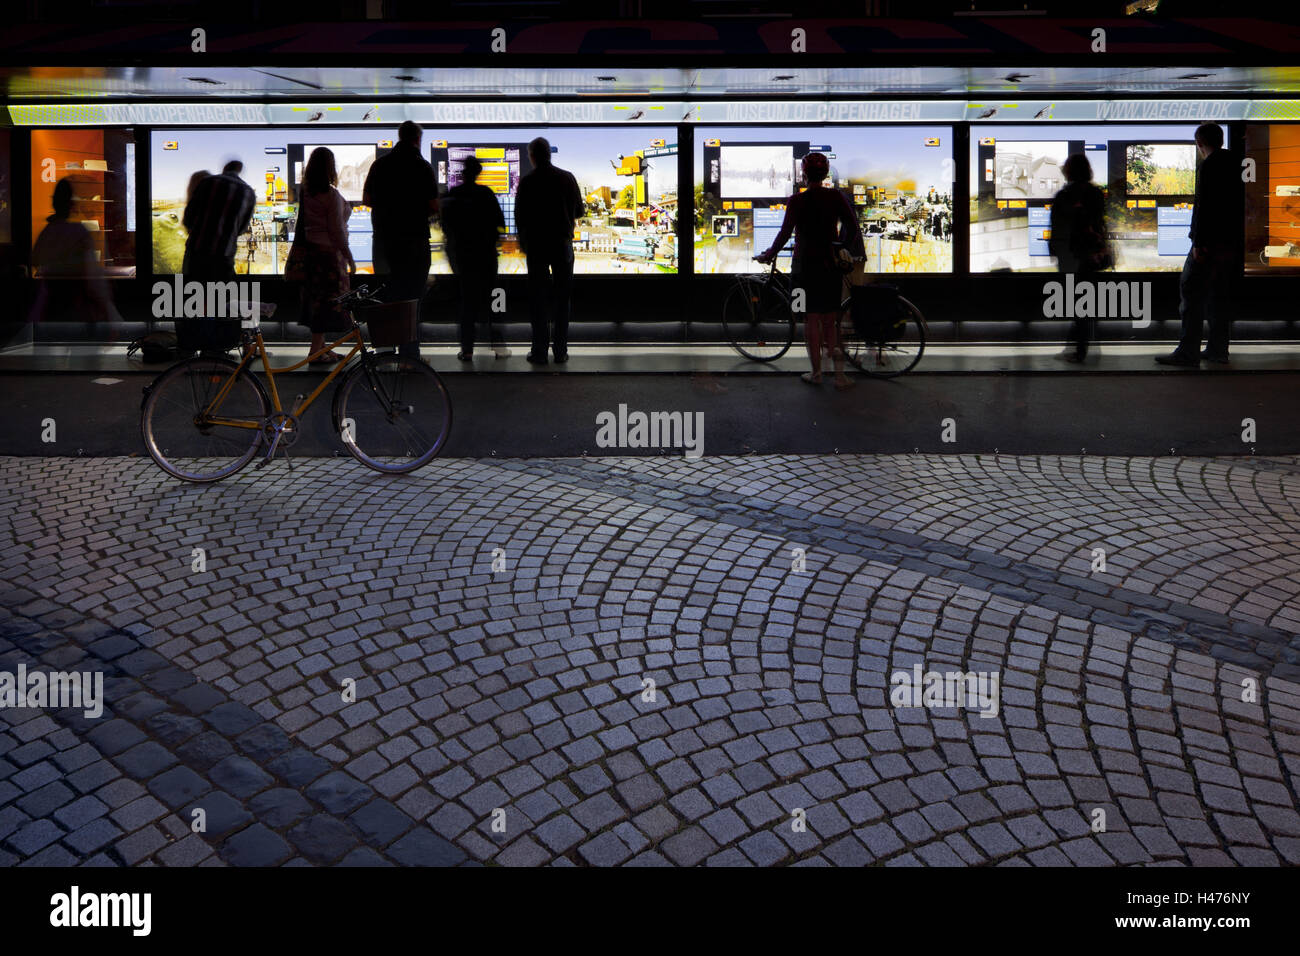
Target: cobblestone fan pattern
[(649, 681)]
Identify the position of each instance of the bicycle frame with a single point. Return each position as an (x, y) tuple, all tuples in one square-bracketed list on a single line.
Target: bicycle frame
[(257, 349)]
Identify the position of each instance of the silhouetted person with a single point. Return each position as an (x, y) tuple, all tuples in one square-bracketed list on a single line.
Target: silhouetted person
[(72, 283), (402, 194), (323, 221), (218, 213), (817, 217), (1078, 239), (1211, 268), (473, 223), (195, 178), (547, 204)]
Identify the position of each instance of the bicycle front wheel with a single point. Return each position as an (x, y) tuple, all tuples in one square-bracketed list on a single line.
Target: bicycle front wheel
[(892, 346), (202, 422), (757, 321), (394, 413)]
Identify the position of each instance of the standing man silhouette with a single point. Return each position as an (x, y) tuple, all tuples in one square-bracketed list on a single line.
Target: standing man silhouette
[(1215, 262), (473, 223), (402, 195), (547, 204)]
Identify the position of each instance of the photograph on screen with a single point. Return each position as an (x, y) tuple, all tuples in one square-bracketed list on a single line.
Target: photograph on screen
[(757, 172), (1147, 174), (1028, 170), (897, 179), (725, 226), (627, 178), (1161, 169), (353, 162)]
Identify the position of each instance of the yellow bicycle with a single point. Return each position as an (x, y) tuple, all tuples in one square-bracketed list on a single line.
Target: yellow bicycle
[(207, 417)]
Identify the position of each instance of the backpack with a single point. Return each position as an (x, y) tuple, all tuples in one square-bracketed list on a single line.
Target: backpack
[(155, 347)]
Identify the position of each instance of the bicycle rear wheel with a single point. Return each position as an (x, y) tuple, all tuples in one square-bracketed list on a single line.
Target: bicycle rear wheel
[(394, 413), (892, 347), (188, 433), (757, 321)]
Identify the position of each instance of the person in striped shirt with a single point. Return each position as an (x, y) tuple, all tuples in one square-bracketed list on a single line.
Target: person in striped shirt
[(220, 210)]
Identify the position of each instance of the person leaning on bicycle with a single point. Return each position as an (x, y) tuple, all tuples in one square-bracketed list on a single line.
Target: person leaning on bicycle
[(823, 224)]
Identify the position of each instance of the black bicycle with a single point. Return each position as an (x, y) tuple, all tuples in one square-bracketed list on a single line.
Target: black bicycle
[(882, 333)]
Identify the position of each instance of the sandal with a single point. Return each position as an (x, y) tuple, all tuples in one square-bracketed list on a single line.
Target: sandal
[(810, 379), (464, 356), (846, 384), (329, 358)]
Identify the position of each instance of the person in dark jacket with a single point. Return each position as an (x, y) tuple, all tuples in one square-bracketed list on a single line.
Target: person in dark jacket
[(473, 223), (402, 194), (818, 217), (217, 214), (1212, 267), (547, 204), (1078, 239)]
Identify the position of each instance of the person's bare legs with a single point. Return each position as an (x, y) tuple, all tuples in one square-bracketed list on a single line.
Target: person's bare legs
[(812, 333)]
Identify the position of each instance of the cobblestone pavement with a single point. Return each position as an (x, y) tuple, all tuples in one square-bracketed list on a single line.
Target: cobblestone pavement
[(528, 690)]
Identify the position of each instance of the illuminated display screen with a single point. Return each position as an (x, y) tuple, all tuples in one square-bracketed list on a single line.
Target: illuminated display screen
[(1146, 172), (273, 161), (898, 180), (627, 177)]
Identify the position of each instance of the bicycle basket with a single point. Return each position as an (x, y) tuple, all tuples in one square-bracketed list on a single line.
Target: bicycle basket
[(393, 323), (876, 310), (207, 335)]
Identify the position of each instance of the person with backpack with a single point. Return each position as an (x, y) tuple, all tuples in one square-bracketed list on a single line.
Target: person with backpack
[(1078, 240)]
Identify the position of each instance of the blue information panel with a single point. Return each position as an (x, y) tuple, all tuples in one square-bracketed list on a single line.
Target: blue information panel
[(767, 224), (1171, 230), (1040, 220)]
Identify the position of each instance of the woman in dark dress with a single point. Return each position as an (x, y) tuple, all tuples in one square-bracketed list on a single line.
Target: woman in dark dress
[(322, 219), (819, 217)]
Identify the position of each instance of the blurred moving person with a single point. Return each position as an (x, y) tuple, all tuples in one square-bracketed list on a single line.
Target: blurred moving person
[(819, 217), (1078, 240), (473, 223), (72, 283), (219, 211), (1212, 267), (402, 194), (328, 266), (547, 204)]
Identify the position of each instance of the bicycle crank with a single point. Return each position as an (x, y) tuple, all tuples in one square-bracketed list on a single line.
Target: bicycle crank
[(279, 430)]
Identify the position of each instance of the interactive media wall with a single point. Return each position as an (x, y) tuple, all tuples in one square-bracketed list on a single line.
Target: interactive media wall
[(627, 178), (899, 179)]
